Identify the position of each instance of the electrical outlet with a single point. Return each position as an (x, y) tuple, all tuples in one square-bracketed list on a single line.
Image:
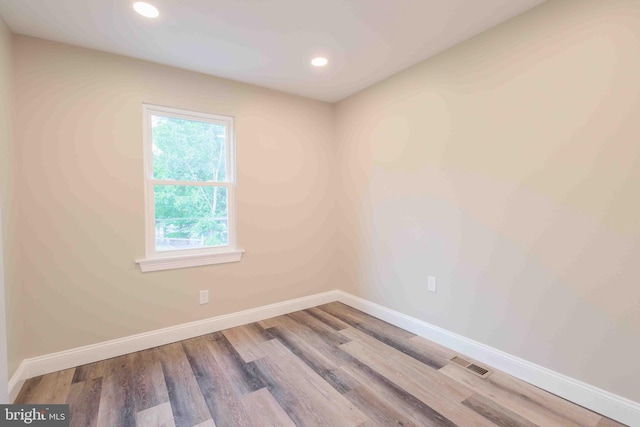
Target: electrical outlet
[(432, 285), (204, 297)]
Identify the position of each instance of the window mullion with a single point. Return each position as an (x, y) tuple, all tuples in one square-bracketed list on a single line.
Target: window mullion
[(190, 183)]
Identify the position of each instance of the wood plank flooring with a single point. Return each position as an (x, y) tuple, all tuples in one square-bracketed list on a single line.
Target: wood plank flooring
[(327, 366)]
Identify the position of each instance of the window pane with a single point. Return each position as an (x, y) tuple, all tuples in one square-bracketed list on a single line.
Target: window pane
[(189, 217), (188, 150)]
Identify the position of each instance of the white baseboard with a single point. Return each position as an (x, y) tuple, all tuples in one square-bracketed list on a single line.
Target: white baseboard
[(16, 382), (615, 407), (92, 353), (593, 398)]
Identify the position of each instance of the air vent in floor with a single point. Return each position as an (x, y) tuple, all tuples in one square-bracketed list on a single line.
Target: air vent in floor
[(478, 370)]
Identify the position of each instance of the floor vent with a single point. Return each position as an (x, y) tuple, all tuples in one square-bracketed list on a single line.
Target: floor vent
[(478, 370)]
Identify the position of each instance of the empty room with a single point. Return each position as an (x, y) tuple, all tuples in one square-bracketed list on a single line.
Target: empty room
[(320, 213)]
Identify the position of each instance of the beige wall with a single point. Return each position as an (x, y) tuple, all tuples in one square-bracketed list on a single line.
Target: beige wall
[(7, 202), (79, 145), (509, 168)]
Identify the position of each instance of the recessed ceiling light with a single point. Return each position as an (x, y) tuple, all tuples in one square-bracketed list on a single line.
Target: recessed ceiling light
[(319, 61), (146, 9)]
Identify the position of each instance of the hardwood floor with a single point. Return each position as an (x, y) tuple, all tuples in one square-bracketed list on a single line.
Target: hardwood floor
[(327, 366)]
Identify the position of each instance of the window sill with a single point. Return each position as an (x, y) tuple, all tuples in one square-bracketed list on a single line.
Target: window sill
[(184, 261)]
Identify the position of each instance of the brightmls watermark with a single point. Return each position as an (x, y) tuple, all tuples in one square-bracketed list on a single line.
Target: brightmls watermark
[(34, 415)]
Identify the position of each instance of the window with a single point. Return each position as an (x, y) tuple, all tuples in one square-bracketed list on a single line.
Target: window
[(190, 189)]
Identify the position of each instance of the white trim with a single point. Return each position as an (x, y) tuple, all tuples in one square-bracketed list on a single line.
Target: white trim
[(148, 111), (183, 113), (93, 353), (17, 381), (191, 183), (193, 260), (603, 402), (593, 398)]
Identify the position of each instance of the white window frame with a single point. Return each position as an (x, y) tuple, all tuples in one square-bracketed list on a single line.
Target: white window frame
[(165, 260)]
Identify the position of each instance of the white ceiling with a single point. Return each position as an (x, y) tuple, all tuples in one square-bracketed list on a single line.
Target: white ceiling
[(269, 42)]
